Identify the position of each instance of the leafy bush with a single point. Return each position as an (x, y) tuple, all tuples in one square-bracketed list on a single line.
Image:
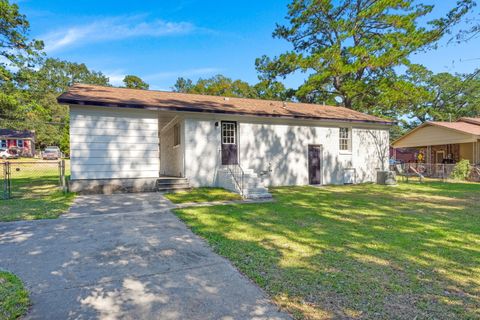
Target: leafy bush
[(461, 171)]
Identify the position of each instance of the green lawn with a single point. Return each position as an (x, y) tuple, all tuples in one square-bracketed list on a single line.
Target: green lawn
[(202, 195), (365, 251), (40, 207), (14, 301), (35, 191)]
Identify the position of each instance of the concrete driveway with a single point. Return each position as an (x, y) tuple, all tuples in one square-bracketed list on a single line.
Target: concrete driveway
[(125, 256)]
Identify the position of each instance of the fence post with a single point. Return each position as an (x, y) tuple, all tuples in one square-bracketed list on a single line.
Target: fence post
[(6, 181), (62, 175), (4, 169)]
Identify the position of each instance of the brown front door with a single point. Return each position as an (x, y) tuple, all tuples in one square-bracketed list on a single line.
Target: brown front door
[(314, 164), (229, 143)]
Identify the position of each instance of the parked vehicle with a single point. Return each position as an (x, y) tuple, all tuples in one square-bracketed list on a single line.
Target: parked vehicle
[(51, 153), (7, 154)]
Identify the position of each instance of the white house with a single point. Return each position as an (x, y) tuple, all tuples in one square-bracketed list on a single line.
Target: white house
[(126, 139)]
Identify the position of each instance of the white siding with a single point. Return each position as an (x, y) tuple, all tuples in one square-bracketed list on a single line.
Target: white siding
[(370, 153), (111, 143), (283, 148), (202, 145)]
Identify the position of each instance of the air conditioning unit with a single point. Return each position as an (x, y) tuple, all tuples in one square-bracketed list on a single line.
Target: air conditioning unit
[(386, 178)]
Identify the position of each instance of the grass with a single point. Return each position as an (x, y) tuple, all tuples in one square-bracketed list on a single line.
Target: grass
[(35, 192), (365, 251), (14, 301), (202, 195), (49, 206)]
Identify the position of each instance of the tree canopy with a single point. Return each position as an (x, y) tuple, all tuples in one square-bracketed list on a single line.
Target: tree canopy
[(356, 51), (351, 49), (134, 82), (16, 47), (220, 85)]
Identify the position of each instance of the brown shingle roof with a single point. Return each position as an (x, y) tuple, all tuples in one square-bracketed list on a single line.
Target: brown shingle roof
[(16, 134), (475, 120), (122, 97), (465, 127)]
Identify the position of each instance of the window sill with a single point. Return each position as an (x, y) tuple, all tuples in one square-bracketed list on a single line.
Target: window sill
[(177, 146), (345, 153)]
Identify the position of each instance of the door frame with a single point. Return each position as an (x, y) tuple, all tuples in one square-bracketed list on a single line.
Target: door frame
[(236, 137), (320, 147)]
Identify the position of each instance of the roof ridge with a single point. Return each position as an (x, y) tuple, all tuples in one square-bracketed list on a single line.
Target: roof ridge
[(104, 96)]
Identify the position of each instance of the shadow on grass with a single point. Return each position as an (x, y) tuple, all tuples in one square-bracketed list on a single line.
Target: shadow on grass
[(363, 251), (48, 206)]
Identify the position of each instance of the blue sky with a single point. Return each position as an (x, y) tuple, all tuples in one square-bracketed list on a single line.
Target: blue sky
[(162, 40)]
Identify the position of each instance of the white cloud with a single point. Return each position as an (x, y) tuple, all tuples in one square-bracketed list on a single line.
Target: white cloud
[(109, 29), (116, 77)]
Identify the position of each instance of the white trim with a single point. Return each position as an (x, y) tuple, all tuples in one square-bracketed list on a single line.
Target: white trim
[(169, 124), (256, 119)]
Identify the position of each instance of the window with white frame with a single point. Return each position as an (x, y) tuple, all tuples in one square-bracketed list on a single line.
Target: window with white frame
[(228, 133), (176, 135), (20, 143), (3, 143), (345, 141)]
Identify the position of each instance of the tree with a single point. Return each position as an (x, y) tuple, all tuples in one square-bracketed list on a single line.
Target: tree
[(31, 103), (183, 85), (443, 96), (15, 46), (273, 90), (134, 82), (55, 76), (220, 85), (351, 49)]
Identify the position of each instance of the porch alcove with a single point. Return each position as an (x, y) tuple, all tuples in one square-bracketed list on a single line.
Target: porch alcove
[(170, 145)]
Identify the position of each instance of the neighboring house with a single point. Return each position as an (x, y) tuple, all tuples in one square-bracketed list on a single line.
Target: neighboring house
[(21, 141), (445, 142), (124, 137), (404, 155)]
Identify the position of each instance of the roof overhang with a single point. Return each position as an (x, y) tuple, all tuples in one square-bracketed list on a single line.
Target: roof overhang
[(212, 111), (452, 136)]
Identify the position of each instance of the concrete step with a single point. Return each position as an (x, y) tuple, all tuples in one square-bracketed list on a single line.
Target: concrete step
[(177, 183), (255, 190), (173, 188), (169, 184), (263, 195), (172, 180)]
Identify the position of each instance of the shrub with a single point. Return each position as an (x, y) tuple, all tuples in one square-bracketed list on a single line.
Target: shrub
[(461, 171)]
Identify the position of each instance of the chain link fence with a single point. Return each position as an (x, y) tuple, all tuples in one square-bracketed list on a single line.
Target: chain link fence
[(436, 171), (26, 179)]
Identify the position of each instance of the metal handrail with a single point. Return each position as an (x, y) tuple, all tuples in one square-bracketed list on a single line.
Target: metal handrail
[(238, 176)]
